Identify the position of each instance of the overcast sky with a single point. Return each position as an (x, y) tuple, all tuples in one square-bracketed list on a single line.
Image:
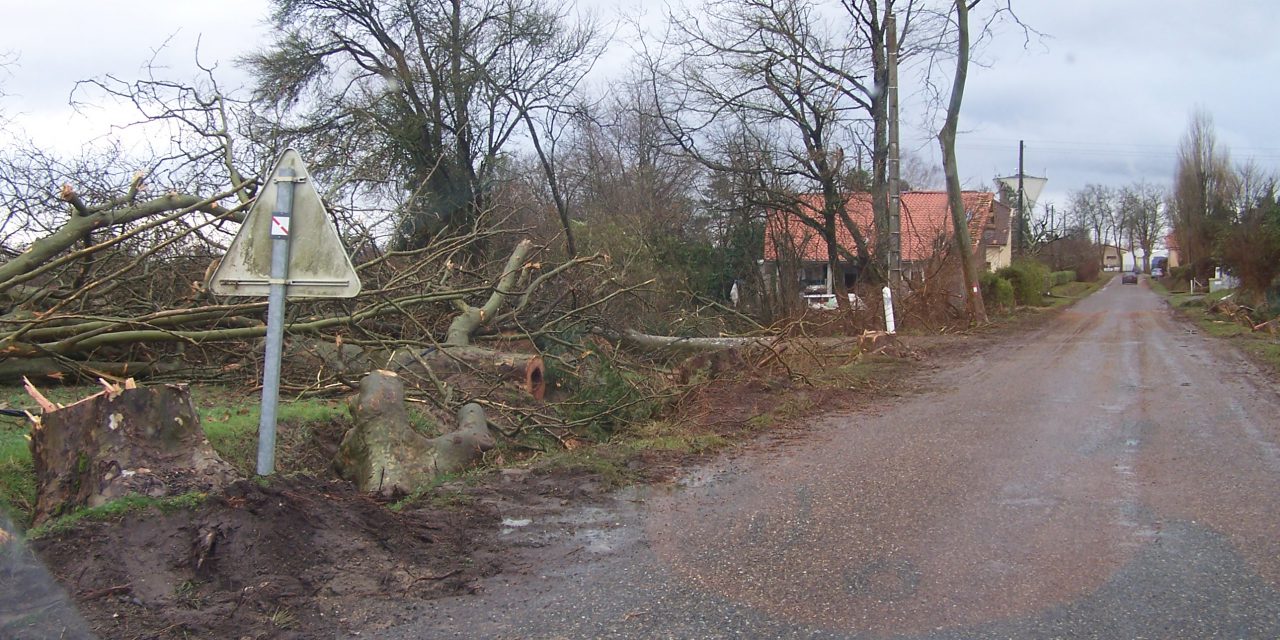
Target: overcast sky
[(1104, 97)]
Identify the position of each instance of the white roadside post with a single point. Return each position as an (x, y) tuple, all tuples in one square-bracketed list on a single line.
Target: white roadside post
[(889, 325), (287, 247)]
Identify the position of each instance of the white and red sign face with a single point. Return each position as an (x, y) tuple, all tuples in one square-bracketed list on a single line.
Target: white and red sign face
[(318, 264), (280, 226)]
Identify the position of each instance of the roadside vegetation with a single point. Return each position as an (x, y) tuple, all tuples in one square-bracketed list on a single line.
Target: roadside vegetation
[(619, 440), (1217, 315)]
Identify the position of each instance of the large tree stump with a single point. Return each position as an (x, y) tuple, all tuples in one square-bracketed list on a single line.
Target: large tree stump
[(382, 453), (144, 441)]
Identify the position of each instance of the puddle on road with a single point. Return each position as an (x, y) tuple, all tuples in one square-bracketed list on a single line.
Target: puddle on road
[(698, 478), (511, 524), (596, 530)]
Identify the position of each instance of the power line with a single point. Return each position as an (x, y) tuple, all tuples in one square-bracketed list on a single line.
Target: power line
[(1115, 149)]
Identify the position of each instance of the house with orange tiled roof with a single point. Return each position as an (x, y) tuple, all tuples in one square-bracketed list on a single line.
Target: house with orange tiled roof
[(926, 235)]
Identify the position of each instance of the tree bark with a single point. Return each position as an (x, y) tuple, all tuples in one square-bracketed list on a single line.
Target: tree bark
[(674, 343), (947, 138), (382, 453), (15, 369), (121, 441), (471, 319)]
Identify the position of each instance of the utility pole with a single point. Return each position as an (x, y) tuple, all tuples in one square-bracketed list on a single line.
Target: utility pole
[(1021, 243), (895, 185)]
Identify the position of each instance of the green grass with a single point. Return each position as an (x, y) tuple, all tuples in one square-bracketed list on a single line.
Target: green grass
[(856, 374), (17, 476), (607, 462), (1263, 348), (116, 509), (665, 435), (1065, 294), (232, 427)]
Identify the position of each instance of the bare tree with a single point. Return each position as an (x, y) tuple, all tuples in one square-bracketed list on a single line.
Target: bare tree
[(420, 97), (947, 139), (1142, 206), (1093, 208), (1202, 193), (772, 70)]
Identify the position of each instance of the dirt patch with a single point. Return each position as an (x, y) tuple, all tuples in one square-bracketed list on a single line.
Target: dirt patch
[(298, 559)]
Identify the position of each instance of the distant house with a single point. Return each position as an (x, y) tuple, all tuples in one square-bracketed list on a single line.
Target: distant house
[(1171, 245), (926, 236), (1113, 257)]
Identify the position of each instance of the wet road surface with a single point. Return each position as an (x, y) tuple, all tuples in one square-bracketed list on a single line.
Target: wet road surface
[(1111, 475)]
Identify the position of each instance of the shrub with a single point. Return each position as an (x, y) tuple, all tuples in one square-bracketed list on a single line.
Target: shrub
[(1030, 280), (1088, 271), (610, 397), (1059, 278), (1181, 273), (997, 292), (1251, 250)]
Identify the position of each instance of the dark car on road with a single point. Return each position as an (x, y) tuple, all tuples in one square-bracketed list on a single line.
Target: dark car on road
[(1129, 277)]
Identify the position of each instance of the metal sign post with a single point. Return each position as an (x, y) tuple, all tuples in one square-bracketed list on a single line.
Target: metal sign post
[(280, 216), (287, 247)]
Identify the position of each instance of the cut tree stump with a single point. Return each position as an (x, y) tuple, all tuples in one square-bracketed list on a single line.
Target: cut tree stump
[(383, 453), (145, 441)]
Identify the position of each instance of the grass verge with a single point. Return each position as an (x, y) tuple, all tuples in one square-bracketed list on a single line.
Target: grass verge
[(1260, 347), (116, 509)]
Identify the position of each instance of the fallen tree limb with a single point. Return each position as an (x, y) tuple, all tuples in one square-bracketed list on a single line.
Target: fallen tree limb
[(633, 338), (14, 369), (470, 319), (15, 271)]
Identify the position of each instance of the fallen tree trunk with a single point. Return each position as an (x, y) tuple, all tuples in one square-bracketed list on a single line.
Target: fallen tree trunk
[(647, 341), (526, 371), (866, 341), (12, 370), (383, 453), (118, 442)]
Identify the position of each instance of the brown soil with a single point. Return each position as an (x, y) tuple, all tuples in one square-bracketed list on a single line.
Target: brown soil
[(310, 557), (282, 561)]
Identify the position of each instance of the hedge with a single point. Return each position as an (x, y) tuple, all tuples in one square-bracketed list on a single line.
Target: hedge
[(1058, 278), (997, 292), (1030, 280)]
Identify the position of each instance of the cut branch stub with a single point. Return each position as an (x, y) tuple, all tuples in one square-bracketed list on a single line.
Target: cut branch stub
[(527, 370), (144, 441)]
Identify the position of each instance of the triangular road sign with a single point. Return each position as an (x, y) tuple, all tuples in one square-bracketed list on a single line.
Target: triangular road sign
[(318, 263)]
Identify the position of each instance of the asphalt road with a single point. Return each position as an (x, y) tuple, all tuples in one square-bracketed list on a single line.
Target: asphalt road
[(1111, 475)]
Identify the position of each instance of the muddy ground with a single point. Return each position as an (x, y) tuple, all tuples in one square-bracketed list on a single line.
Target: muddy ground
[(309, 557)]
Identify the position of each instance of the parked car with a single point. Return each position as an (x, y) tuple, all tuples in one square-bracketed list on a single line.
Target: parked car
[(1129, 277)]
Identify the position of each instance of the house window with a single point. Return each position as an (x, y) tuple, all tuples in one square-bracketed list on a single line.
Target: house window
[(813, 274)]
